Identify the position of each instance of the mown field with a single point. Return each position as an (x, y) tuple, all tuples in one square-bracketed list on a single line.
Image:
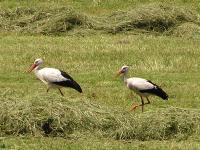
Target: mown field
[(91, 40)]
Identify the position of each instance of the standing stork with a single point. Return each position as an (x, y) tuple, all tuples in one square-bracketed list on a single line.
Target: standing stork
[(54, 78), (144, 88)]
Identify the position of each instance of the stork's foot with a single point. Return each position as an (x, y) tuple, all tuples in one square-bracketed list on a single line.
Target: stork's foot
[(134, 107)]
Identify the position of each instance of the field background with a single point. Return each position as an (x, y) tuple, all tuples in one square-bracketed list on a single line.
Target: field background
[(99, 118)]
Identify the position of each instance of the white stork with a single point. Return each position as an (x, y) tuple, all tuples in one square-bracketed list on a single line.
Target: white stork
[(54, 78), (144, 88)]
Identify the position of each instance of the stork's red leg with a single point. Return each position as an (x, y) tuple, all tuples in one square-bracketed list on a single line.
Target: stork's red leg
[(142, 103), (61, 92), (148, 101), (133, 107)]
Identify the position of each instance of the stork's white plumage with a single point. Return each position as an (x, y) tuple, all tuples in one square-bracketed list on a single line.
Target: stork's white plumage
[(54, 78), (144, 88)]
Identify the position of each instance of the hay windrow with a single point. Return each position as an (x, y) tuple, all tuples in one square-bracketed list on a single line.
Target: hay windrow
[(151, 18), (39, 21), (187, 29), (66, 118)]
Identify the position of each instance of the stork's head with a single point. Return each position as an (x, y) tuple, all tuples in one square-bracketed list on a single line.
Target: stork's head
[(36, 63), (123, 70)]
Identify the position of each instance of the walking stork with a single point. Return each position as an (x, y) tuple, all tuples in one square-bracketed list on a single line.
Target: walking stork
[(54, 78), (144, 88)]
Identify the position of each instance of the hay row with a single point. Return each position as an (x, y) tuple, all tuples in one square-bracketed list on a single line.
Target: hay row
[(40, 117), (148, 18)]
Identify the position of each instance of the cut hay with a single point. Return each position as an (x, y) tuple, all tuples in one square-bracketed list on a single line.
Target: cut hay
[(48, 22), (152, 18), (188, 30), (65, 118)]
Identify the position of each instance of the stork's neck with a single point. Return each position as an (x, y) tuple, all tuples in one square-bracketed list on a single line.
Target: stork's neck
[(124, 77), (37, 69)]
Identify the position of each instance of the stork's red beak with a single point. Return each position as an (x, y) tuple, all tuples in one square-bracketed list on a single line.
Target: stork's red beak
[(119, 73), (32, 67)]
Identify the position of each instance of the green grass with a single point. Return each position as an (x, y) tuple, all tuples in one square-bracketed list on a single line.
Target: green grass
[(171, 62), (99, 118), (95, 7), (93, 61), (97, 144)]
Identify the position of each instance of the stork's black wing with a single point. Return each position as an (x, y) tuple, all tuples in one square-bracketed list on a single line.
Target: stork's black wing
[(69, 82)]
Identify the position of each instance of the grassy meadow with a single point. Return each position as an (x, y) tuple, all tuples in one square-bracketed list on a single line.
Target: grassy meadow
[(91, 53)]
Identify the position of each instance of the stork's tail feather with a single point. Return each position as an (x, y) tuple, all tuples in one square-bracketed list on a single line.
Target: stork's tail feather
[(76, 86), (70, 82), (162, 94)]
